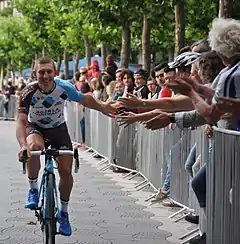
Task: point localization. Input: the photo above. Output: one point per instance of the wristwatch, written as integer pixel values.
(172, 118)
(144, 104)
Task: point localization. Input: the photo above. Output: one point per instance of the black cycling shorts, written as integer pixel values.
(57, 138)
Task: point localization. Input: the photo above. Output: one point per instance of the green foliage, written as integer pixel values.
(62, 24)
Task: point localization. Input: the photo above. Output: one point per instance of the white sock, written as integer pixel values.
(64, 206)
(33, 183)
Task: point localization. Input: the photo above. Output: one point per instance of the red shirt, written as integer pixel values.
(165, 93)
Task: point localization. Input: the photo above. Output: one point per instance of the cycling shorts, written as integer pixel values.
(57, 138)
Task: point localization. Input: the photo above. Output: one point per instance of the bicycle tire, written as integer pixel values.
(49, 228)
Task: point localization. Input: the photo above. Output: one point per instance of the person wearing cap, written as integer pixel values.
(140, 78)
(95, 70)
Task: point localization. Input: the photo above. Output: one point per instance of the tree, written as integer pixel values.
(225, 8)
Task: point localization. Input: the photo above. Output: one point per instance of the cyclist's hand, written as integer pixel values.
(21, 153)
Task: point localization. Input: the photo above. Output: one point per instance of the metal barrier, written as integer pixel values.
(156, 149)
(223, 175)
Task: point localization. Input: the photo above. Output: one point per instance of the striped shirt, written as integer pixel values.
(228, 85)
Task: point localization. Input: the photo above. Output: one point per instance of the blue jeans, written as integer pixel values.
(82, 126)
(199, 186)
(191, 160)
(166, 184)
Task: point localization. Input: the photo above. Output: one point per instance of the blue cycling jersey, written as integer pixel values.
(46, 109)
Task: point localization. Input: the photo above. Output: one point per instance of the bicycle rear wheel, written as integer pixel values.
(49, 227)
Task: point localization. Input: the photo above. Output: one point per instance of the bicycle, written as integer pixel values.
(48, 211)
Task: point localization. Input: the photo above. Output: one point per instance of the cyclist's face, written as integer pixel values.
(45, 73)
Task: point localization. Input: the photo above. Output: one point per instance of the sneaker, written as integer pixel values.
(161, 196)
(65, 227)
(32, 199)
(194, 219)
(170, 204)
(199, 240)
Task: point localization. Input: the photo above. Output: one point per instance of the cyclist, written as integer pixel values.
(40, 117)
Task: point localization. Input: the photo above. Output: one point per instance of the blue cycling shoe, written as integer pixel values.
(32, 199)
(64, 225)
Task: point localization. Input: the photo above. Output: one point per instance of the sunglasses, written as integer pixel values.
(83, 73)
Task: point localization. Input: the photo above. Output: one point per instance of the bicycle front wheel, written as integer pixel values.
(49, 228)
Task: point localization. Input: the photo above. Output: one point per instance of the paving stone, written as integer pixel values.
(104, 207)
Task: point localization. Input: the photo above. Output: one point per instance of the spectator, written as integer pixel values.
(119, 90)
(160, 70)
(110, 89)
(153, 89)
(95, 70)
(8, 91)
(128, 81)
(111, 66)
(140, 77)
(118, 74)
(97, 87)
(83, 74)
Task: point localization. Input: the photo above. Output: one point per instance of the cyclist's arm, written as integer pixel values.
(22, 121)
(74, 95)
(90, 102)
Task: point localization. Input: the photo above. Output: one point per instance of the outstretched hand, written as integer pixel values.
(126, 119)
(131, 101)
(160, 121)
(183, 84)
(110, 109)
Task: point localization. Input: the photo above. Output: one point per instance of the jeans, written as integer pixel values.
(82, 126)
(166, 184)
(199, 186)
(191, 160)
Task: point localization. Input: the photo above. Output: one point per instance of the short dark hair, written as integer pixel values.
(77, 76)
(85, 88)
(127, 72)
(161, 66)
(201, 46)
(167, 69)
(185, 49)
(106, 79)
(141, 72)
(44, 60)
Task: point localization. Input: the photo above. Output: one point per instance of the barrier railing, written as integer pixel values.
(148, 154)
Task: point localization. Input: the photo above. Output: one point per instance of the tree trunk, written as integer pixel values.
(225, 8)
(12, 73)
(34, 60)
(66, 68)
(44, 51)
(1, 75)
(126, 45)
(88, 51)
(59, 62)
(76, 62)
(104, 55)
(170, 54)
(179, 26)
(146, 43)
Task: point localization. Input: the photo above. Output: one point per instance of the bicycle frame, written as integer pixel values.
(48, 169)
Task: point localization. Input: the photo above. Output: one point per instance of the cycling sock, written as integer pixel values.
(33, 183)
(64, 206)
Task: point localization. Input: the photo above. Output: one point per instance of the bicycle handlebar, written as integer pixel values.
(53, 153)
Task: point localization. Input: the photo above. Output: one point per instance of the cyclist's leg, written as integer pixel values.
(35, 142)
(62, 141)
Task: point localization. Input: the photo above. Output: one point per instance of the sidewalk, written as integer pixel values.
(104, 208)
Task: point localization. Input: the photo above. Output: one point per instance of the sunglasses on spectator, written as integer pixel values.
(83, 73)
